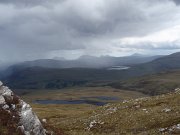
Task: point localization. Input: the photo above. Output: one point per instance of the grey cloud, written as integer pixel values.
(29, 3)
(175, 45)
(36, 28)
(177, 2)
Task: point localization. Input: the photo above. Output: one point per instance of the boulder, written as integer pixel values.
(2, 100)
(12, 106)
(1, 83)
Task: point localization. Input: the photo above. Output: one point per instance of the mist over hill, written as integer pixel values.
(166, 63)
(40, 74)
(84, 61)
(87, 61)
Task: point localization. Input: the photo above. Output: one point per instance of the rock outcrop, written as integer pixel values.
(16, 116)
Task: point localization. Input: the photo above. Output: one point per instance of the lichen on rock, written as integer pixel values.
(18, 113)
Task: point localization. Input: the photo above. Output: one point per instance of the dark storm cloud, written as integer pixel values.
(37, 28)
(177, 1)
(29, 2)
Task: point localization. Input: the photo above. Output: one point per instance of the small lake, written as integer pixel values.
(92, 102)
(118, 68)
(83, 100)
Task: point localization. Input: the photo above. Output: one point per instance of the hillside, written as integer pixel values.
(150, 115)
(56, 78)
(154, 84)
(147, 115)
(48, 78)
(86, 61)
(166, 63)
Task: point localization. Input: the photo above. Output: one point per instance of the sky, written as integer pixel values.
(36, 29)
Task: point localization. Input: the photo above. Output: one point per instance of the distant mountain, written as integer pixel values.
(138, 54)
(155, 65)
(33, 75)
(59, 58)
(166, 63)
(108, 61)
(86, 61)
(4, 65)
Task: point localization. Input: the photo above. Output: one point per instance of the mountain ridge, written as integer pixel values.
(38, 77)
(87, 61)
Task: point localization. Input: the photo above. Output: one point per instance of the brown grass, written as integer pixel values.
(129, 118)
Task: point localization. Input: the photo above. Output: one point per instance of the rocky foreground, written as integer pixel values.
(16, 116)
(158, 115)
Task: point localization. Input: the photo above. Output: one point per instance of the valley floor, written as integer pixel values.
(127, 116)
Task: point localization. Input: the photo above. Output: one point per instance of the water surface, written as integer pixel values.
(93, 100)
(118, 68)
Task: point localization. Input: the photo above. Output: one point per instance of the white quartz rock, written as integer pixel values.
(1, 83)
(30, 121)
(7, 94)
(2, 100)
(29, 124)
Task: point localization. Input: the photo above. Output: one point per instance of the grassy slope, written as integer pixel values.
(140, 116)
(135, 116)
(61, 113)
(43, 78)
(76, 93)
(153, 84)
(58, 114)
